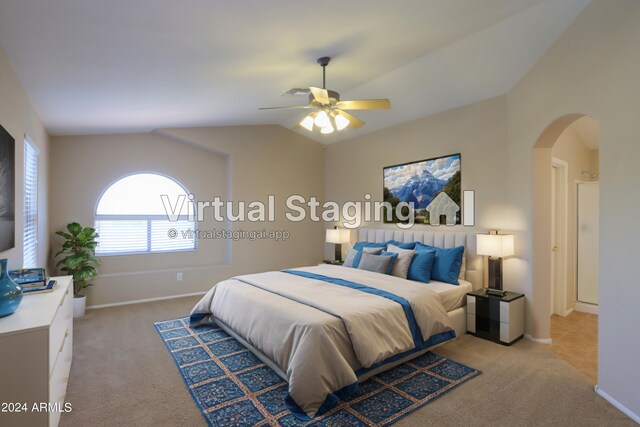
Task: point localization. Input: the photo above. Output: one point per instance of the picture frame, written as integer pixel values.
(7, 191)
(421, 183)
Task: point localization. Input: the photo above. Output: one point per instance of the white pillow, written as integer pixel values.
(401, 267)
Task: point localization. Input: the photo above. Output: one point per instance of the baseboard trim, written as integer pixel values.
(538, 340)
(568, 312)
(586, 308)
(141, 301)
(617, 404)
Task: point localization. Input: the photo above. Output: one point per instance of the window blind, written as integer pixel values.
(30, 232)
(126, 236)
(131, 218)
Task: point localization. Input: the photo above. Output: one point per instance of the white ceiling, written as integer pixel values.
(123, 66)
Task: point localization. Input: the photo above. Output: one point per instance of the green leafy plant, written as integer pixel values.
(79, 260)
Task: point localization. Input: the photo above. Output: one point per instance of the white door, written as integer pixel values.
(554, 260)
(588, 241)
(558, 237)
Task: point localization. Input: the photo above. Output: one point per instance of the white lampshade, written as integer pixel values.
(307, 123)
(495, 245)
(327, 129)
(338, 235)
(322, 119)
(341, 121)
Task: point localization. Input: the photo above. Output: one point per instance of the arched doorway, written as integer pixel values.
(565, 268)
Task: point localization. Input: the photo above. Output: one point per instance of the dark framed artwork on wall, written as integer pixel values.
(431, 185)
(7, 191)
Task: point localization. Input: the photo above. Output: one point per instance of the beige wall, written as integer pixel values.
(244, 163)
(592, 69)
(595, 163)
(477, 131)
(99, 160)
(19, 118)
(570, 149)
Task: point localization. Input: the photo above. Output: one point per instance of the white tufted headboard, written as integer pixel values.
(441, 239)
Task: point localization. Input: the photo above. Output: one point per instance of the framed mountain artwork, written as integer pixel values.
(431, 187)
(7, 191)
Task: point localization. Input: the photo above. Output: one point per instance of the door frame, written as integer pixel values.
(559, 267)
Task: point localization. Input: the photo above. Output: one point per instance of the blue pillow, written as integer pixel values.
(410, 245)
(421, 266)
(394, 258)
(359, 245)
(446, 267)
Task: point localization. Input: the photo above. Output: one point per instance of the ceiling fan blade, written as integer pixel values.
(354, 122)
(365, 104)
(296, 91)
(285, 108)
(321, 95)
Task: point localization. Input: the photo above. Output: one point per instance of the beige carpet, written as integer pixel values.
(122, 376)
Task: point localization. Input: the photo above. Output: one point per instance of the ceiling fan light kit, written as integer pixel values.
(330, 115)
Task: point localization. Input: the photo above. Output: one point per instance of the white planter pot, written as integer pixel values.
(79, 304)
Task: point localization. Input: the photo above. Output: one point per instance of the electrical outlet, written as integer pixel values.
(179, 277)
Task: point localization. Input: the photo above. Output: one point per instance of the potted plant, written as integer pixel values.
(79, 261)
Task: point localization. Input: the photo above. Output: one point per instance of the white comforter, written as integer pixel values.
(320, 333)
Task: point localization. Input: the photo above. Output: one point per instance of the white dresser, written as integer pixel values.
(35, 357)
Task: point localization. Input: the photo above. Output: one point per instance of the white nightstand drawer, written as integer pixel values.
(504, 311)
(471, 323)
(471, 304)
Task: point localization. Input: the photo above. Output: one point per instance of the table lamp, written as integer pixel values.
(338, 236)
(495, 246)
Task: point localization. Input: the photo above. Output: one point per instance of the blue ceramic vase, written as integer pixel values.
(10, 292)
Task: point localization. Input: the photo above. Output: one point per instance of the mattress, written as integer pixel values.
(451, 296)
(327, 325)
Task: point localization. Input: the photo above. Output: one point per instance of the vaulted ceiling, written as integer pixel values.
(126, 66)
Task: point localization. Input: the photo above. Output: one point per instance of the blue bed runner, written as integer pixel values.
(420, 344)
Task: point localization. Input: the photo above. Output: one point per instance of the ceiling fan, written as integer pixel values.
(330, 114)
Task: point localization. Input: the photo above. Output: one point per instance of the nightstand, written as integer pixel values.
(326, 261)
(496, 318)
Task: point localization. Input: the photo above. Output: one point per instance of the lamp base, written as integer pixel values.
(495, 273)
(338, 255)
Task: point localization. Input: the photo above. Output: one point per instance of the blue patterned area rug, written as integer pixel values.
(232, 387)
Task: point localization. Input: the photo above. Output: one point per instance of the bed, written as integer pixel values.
(333, 326)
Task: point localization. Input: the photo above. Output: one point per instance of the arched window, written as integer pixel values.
(131, 217)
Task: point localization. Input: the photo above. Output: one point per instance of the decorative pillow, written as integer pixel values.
(360, 245)
(375, 263)
(370, 250)
(447, 265)
(351, 256)
(401, 266)
(394, 258)
(421, 266)
(410, 245)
